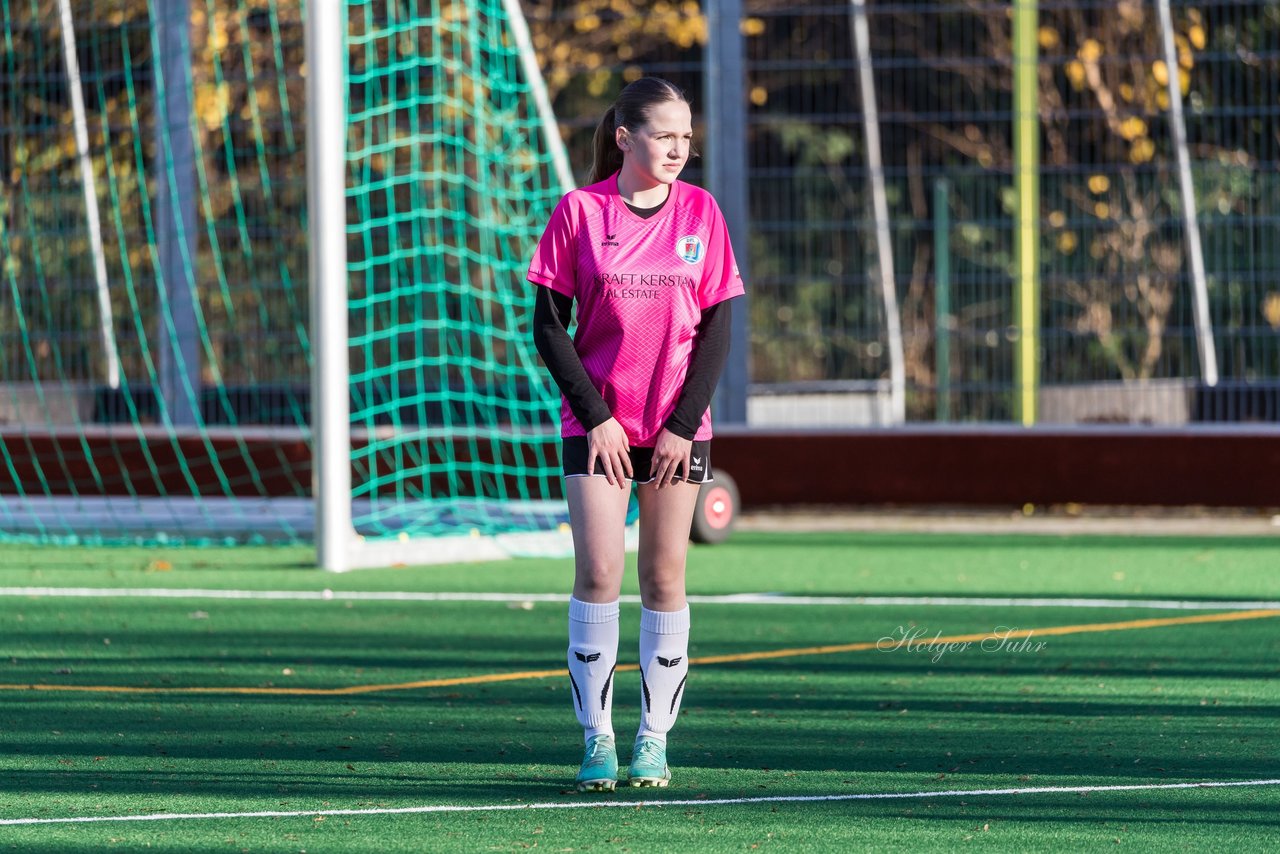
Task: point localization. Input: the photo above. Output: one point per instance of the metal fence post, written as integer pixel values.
(942, 295)
(176, 195)
(1026, 179)
(724, 90)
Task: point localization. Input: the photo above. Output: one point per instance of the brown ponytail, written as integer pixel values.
(631, 110)
(607, 157)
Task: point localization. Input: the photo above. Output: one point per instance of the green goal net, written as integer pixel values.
(451, 179)
(156, 305)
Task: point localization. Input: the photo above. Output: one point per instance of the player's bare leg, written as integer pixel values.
(598, 511)
(665, 516)
(598, 517)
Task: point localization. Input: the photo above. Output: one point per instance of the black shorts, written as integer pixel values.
(573, 455)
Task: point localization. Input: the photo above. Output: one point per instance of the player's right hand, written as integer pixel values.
(607, 442)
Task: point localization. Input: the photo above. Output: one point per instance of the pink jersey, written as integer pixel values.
(641, 285)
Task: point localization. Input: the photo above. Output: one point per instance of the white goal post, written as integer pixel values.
(339, 545)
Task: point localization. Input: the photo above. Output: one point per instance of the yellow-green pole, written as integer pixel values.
(1026, 144)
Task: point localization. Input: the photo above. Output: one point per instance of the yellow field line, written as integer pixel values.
(1012, 635)
(491, 678)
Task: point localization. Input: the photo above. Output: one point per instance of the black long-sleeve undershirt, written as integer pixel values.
(551, 313)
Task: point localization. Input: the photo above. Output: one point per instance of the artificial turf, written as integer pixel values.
(1194, 702)
(811, 563)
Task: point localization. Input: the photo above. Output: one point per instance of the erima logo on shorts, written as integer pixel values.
(697, 464)
(689, 248)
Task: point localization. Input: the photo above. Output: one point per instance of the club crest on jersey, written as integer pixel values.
(689, 249)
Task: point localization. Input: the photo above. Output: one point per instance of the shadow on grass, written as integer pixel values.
(473, 746)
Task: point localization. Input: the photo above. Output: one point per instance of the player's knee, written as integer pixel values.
(599, 580)
(658, 586)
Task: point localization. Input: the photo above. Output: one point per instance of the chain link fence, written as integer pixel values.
(1115, 335)
(1116, 340)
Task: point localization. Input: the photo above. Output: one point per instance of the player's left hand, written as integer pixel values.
(669, 454)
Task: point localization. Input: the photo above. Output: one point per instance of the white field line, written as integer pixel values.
(630, 804)
(729, 599)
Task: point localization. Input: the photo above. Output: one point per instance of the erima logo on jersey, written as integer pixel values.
(670, 662)
(697, 465)
(592, 657)
(610, 240)
(689, 249)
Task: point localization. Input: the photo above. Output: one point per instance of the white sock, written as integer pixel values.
(592, 656)
(664, 666)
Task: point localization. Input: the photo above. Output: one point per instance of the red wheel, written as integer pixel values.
(717, 510)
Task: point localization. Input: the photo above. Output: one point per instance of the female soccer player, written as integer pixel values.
(648, 260)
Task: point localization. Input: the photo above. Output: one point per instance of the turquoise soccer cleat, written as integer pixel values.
(599, 771)
(649, 763)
